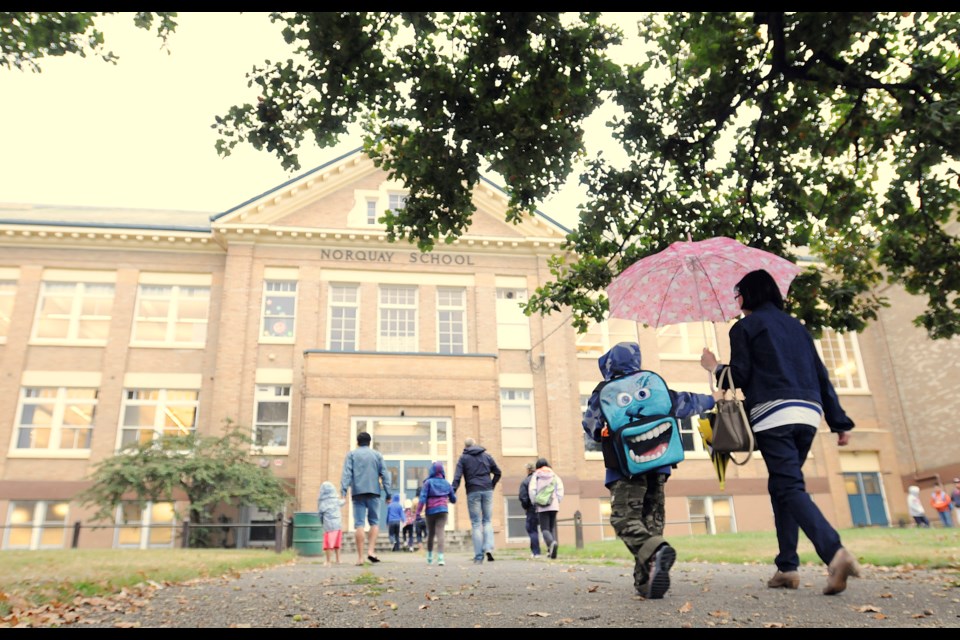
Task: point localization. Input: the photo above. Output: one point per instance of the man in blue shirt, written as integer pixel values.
(365, 475)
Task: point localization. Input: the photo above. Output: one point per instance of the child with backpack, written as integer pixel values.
(546, 492)
(633, 415)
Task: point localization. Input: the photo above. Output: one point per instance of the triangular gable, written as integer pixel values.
(335, 197)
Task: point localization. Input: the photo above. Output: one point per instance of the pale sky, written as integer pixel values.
(138, 134)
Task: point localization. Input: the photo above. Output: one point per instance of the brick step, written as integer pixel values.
(453, 541)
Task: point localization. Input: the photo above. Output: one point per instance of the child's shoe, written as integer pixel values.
(429, 558)
(440, 559)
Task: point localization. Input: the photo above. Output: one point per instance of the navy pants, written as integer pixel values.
(533, 530)
(784, 450)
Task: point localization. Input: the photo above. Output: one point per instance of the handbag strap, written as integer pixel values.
(746, 420)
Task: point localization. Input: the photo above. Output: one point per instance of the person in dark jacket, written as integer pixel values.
(395, 519)
(480, 475)
(787, 392)
(533, 518)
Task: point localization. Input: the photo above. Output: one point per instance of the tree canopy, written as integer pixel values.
(27, 36)
(211, 471)
(770, 127)
(833, 133)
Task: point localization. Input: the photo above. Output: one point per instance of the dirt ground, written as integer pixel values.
(403, 591)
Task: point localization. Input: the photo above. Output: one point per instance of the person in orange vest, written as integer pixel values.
(941, 502)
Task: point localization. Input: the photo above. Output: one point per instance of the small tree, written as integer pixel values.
(211, 471)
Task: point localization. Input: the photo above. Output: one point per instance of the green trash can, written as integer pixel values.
(307, 533)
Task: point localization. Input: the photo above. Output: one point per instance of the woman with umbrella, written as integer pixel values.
(786, 390)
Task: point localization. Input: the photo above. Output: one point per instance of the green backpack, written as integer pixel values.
(545, 495)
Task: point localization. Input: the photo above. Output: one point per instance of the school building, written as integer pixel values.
(292, 315)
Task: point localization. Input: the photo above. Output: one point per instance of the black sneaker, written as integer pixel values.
(489, 557)
(660, 563)
(553, 550)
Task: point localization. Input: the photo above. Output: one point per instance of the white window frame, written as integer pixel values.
(710, 523)
(338, 303)
(587, 454)
(163, 405)
(61, 403)
(513, 511)
(847, 375)
(690, 337)
(396, 201)
(8, 295)
(273, 394)
(175, 293)
(39, 524)
(372, 213)
(283, 290)
(516, 398)
(513, 326)
(395, 316)
(452, 331)
(144, 527)
(74, 317)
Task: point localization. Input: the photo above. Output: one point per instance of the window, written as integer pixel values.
(272, 416)
(344, 303)
(146, 528)
(371, 212)
(149, 414)
(451, 314)
(686, 341)
(8, 289)
(513, 326)
(171, 315)
(711, 514)
(841, 355)
(56, 418)
(396, 201)
(600, 336)
(36, 525)
(517, 423)
(690, 435)
(74, 311)
(279, 307)
(398, 318)
(591, 448)
(516, 519)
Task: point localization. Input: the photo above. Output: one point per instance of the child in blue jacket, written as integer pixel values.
(640, 529)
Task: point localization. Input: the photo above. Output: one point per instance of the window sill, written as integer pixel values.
(40, 342)
(168, 345)
(69, 454)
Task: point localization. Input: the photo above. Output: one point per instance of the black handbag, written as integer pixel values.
(731, 426)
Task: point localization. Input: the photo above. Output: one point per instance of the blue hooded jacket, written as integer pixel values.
(436, 492)
(328, 506)
(623, 359)
(395, 510)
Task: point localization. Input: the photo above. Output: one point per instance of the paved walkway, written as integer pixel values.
(519, 592)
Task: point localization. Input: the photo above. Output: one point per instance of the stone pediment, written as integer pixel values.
(348, 194)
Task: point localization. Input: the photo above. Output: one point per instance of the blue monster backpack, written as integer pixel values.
(642, 434)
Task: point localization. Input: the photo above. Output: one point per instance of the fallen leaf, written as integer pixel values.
(126, 625)
(879, 616)
(773, 625)
(431, 597)
(423, 606)
(686, 608)
(593, 588)
(720, 614)
(392, 605)
(886, 595)
(539, 613)
(869, 608)
(492, 613)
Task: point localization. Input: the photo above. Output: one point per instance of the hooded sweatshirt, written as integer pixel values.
(328, 506)
(477, 468)
(623, 359)
(541, 478)
(913, 501)
(436, 492)
(395, 510)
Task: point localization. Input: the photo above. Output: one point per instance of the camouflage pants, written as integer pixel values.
(637, 514)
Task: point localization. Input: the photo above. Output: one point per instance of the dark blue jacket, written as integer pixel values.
(477, 468)
(773, 358)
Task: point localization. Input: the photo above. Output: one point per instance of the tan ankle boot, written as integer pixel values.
(843, 566)
(784, 580)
